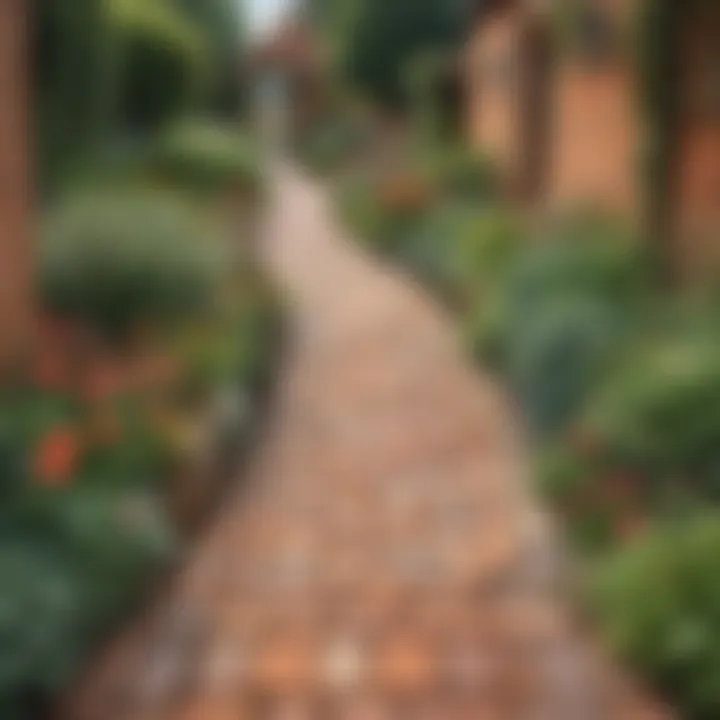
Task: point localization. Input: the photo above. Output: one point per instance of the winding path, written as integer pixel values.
(386, 560)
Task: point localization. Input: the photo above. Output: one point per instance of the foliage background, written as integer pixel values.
(112, 71)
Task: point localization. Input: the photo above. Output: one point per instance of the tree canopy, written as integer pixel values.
(111, 67)
(375, 40)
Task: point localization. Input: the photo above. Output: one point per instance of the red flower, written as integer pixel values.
(57, 457)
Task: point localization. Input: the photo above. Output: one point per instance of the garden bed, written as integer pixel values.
(203, 490)
(152, 370)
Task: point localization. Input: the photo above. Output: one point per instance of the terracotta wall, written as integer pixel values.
(595, 138)
(593, 134)
(595, 141)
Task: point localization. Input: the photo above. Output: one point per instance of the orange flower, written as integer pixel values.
(57, 458)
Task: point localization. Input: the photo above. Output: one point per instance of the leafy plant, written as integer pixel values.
(76, 541)
(645, 444)
(331, 143)
(114, 261)
(115, 538)
(384, 212)
(209, 158)
(41, 620)
(462, 174)
(658, 604)
(377, 40)
(485, 248)
(237, 347)
(658, 412)
(563, 308)
(563, 350)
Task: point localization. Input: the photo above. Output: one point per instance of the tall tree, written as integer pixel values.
(222, 23)
(375, 40)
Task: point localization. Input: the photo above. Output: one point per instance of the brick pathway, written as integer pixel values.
(385, 561)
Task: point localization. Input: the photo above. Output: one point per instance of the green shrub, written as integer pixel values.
(330, 144)
(595, 506)
(115, 538)
(116, 260)
(161, 59)
(582, 253)
(462, 174)
(660, 412)
(430, 250)
(486, 327)
(368, 206)
(41, 623)
(359, 208)
(558, 353)
(558, 314)
(646, 444)
(208, 158)
(69, 563)
(237, 347)
(464, 252)
(72, 556)
(658, 605)
(485, 248)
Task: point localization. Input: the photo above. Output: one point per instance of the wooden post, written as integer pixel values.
(535, 107)
(16, 256)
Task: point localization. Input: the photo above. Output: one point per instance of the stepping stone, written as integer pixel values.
(344, 665)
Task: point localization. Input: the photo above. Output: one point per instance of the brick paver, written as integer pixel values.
(385, 559)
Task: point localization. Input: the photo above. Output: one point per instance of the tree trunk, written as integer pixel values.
(16, 256)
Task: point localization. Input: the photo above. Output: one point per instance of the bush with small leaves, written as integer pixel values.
(117, 260)
(560, 312)
(462, 174)
(657, 603)
(209, 158)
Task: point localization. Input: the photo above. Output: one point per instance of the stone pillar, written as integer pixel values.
(16, 254)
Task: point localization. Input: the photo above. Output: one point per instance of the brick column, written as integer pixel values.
(16, 256)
